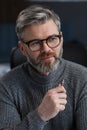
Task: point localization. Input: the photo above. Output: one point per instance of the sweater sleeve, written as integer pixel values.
(81, 110)
(10, 118)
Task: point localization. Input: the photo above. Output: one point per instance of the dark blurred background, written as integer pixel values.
(73, 16)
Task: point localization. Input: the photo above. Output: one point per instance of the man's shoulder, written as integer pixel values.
(75, 68)
(75, 65)
(13, 76)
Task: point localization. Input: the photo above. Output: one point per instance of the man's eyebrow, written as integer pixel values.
(37, 39)
(33, 40)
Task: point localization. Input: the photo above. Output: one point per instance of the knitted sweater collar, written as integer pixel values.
(42, 79)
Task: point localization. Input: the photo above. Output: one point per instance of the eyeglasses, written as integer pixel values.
(52, 41)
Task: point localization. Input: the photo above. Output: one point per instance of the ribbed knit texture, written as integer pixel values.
(22, 90)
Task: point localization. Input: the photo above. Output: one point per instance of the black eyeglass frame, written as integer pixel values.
(41, 41)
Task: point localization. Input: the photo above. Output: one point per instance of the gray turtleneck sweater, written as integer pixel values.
(22, 90)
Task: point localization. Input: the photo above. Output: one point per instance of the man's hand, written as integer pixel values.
(53, 102)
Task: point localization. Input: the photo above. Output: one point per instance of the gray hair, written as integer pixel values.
(35, 14)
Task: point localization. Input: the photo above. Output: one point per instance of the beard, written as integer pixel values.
(48, 66)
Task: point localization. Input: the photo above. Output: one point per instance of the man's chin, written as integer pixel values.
(48, 62)
(45, 67)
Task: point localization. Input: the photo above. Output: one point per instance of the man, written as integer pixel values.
(47, 92)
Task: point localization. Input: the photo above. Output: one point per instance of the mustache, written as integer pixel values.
(47, 54)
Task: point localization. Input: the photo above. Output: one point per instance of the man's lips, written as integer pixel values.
(46, 57)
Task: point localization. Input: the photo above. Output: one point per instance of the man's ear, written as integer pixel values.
(22, 48)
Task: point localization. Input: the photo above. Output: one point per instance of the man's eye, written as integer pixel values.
(35, 43)
(52, 38)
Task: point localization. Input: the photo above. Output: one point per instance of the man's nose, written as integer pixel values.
(45, 47)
